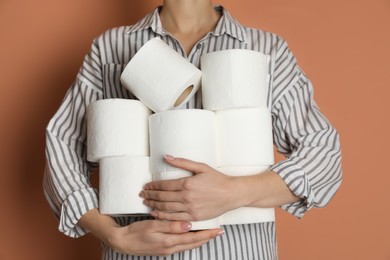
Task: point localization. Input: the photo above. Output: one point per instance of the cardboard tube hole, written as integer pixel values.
(184, 95)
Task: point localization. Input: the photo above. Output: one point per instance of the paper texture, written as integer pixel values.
(244, 137)
(117, 127)
(188, 133)
(160, 77)
(120, 181)
(205, 224)
(233, 79)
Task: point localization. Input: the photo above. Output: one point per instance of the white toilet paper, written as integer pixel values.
(246, 215)
(160, 77)
(117, 127)
(187, 133)
(243, 170)
(120, 181)
(205, 224)
(234, 78)
(244, 137)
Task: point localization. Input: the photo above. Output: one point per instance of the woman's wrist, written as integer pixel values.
(265, 190)
(102, 226)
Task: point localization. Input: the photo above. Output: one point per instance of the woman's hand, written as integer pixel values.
(207, 194)
(156, 237)
(148, 237)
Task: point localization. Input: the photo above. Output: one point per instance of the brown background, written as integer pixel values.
(343, 46)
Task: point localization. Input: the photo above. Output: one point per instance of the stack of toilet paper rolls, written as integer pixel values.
(234, 86)
(232, 133)
(118, 132)
(118, 139)
(164, 80)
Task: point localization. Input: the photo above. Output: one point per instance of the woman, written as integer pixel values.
(309, 177)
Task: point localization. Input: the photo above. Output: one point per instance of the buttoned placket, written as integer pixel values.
(193, 57)
(194, 54)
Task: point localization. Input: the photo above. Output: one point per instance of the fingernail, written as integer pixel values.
(140, 194)
(169, 157)
(186, 226)
(220, 233)
(154, 214)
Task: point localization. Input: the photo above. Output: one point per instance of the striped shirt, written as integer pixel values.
(312, 168)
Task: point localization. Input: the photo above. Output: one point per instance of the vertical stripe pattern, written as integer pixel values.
(312, 169)
(240, 242)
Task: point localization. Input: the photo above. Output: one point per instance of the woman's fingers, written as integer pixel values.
(161, 195)
(156, 237)
(175, 216)
(165, 206)
(172, 227)
(177, 184)
(199, 197)
(198, 236)
(167, 185)
(186, 164)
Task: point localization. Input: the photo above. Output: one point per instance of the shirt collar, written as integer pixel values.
(226, 24)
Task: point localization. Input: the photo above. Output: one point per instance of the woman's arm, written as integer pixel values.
(148, 237)
(309, 176)
(210, 193)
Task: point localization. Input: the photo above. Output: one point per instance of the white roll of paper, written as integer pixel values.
(120, 181)
(243, 170)
(160, 77)
(246, 215)
(244, 137)
(233, 79)
(187, 133)
(205, 224)
(117, 127)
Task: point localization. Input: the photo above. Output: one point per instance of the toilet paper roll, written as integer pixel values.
(246, 215)
(117, 127)
(244, 137)
(188, 133)
(243, 170)
(233, 79)
(160, 77)
(120, 181)
(205, 224)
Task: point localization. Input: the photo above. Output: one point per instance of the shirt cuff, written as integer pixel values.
(298, 182)
(76, 205)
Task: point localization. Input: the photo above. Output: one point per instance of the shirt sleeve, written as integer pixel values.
(66, 180)
(312, 168)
